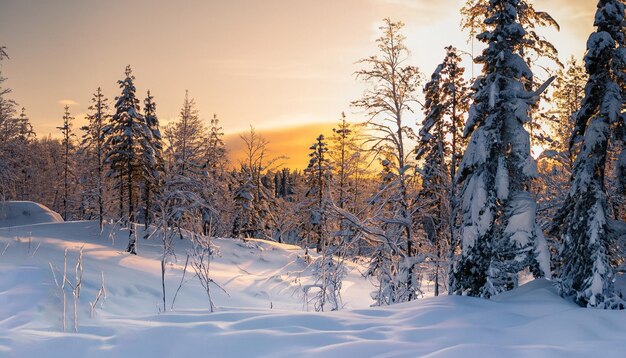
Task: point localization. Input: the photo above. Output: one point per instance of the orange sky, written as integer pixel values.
(269, 63)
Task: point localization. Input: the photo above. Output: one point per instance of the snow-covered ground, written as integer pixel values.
(262, 312)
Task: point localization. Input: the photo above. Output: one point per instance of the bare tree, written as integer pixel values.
(391, 94)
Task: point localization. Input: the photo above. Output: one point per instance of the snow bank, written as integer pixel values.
(19, 213)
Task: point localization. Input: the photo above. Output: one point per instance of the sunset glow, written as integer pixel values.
(270, 64)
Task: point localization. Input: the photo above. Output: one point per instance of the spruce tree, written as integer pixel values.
(500, 236)
(23, 157)
(440, 148)
(342, 151)
(125, 135)
(318, 175)
(584, 221)
(92, 145)
(152, 162)
(68, 147)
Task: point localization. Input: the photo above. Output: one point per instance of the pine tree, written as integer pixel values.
(500, 236)
(583, 221)
(125, 135)
(92, 145)
(68, 147)
(390, 97)
(441, 145)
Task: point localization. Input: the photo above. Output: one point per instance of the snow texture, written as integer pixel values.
(263, 315)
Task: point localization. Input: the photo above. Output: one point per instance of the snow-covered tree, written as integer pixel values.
(68, 148)
(186, 139)
(8, 133)
(92, 147)
(350, 172)
(152, 162)
(556, 162)
(584, 221)
(178, 202)
(125, 137)
(500, 236)
(329, 271)
(185, 155)
(343, 152)
(391, 94)
(318, 180)
(440, 148)
(535, 46)
(253, 214)
(46, 154)
(22, 158)
(216, 181)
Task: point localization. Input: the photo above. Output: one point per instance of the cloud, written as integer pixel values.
(68, 102)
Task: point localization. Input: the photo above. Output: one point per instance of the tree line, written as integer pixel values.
(461, 203)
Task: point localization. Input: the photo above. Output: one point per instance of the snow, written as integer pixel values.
(263, 314)
(502, 180)
(17, 213)
(477, 209)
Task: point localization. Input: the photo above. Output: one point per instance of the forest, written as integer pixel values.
(474, 184)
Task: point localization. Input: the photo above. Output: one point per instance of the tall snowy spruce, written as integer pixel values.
(584, 221)
(499, 233)
(440, 147)
(125, 137)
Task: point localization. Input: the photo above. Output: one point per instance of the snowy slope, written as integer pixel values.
(263, 313)
(16, 213)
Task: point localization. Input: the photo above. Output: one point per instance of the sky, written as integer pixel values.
(284, 66)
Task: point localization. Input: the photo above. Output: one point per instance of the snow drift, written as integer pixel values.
(18, 213)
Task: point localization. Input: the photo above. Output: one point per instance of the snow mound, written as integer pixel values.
(20, 213)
